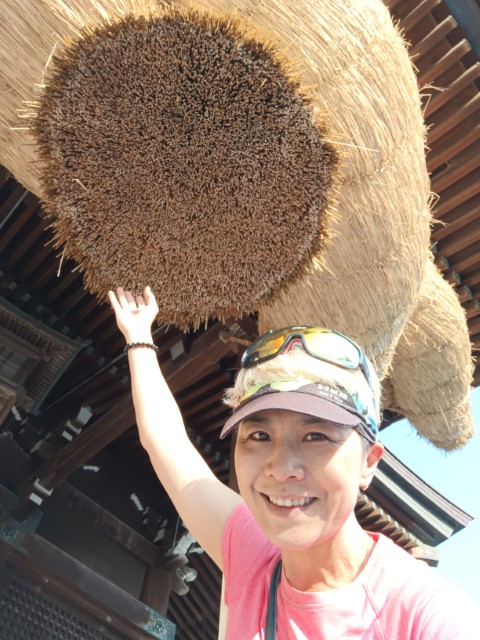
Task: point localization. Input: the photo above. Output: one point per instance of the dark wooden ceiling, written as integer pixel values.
(49, 289)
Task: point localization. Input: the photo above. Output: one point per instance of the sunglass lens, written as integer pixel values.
(264, 347)
(332, 347)
(321, 343)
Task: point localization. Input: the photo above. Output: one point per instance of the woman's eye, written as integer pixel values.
(259, 435)
(315, 436)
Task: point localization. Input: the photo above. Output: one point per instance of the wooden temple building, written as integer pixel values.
(90, 545)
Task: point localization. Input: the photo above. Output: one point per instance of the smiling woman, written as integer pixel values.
(296, 562)
(299, 476)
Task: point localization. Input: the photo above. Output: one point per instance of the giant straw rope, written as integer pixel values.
(341, 68)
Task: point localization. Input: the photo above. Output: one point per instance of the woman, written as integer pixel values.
(306, 411)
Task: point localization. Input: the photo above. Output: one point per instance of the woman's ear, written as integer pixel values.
(372, 458)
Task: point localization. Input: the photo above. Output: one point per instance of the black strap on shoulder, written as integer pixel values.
(271, 628)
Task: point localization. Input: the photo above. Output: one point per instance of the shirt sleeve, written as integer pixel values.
(246, 552)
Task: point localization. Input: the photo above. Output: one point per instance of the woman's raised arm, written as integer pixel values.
(202, 501)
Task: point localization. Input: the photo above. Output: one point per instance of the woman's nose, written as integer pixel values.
(284, 463)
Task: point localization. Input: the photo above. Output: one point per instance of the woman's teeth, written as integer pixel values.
(280, 502)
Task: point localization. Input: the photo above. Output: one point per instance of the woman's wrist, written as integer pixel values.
(148, 344)
(141, 336)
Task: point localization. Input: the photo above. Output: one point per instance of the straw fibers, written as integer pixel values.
(368, 282)
(432, 368)
(179, 149)
(28, 33)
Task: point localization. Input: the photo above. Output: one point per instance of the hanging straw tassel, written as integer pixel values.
(432, 367)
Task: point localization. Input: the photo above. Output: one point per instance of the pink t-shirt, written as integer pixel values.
(394, 598)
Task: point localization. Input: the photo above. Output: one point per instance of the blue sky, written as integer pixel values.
(455, 475)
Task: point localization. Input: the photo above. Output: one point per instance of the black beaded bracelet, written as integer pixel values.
(134, 345)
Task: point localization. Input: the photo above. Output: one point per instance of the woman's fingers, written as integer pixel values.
(130, 300)
(122, 298)
(113, 301)
(150, 299)
(148, 295)
(125, 300)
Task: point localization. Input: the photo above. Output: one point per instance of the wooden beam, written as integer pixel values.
(109, 525)
(468, 77)
(474, 326)
(9, 209)
(432, 38)
(468, 187)
(459, 116)
(450, 148)
(69, 580)
(472, 308)
(205, 352)
(455, 54)
(421, 8)
(458, 218)
(77, 452)
(459, 166)
(426, 553)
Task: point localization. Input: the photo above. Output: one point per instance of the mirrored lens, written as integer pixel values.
(320, 343)
(332, 347)
(265, 347)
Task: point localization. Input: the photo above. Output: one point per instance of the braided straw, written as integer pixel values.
(432, 368)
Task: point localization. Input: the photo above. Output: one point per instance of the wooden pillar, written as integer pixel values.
(156, 589)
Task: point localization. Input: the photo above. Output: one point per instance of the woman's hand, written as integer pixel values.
(134, 316)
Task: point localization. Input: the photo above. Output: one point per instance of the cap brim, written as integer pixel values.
(293, 401)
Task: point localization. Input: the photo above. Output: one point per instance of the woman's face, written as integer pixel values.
(300, 476)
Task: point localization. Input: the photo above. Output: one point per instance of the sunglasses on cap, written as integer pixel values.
(324, 344)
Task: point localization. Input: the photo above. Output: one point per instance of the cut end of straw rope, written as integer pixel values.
(180, 151)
